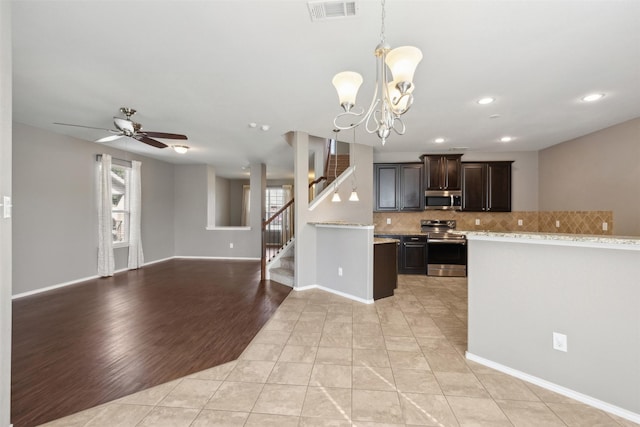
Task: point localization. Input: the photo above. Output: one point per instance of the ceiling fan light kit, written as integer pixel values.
(391, 98)
(129, 128)
(181, 149)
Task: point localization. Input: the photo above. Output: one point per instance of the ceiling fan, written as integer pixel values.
(127, 127)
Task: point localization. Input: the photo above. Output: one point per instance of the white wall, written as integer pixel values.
(192, 238)
(347, 249)
(55, 220)
(5, 224)
(524, 172)
(223, 208)
(599, 171)
(521, 291)
(306, 248)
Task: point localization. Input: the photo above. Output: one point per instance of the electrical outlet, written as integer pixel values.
(605, 226)
(557, 224)
(339, 271)
(559, 342)
(230, 245)
(477, 221)
(520, 222)
(388, 220)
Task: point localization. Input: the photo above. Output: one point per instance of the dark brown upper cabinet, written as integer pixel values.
(486, 186)
(442, 172)
(398, 187)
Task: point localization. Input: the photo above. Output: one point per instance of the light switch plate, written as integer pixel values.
(6, 207)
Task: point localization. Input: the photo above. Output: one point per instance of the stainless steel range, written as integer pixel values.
(446, 250)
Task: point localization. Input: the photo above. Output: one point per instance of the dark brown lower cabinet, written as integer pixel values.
(413, 255)
(385, 269)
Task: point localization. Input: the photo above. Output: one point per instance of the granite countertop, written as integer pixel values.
(340, 224)
(630, 242)
(381, 240)
(397, 233)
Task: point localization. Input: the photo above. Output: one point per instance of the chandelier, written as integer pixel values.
(391, 98)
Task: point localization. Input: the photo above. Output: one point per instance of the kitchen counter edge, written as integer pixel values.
(584, 240)
(340, 224)
(382, 240)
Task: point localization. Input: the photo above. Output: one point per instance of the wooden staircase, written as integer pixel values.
(278, 262)
(335, 166)
(277, 239)
(284, 272)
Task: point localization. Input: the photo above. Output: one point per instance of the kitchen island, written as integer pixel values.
(352, 263)
(344, 259)
(385, 267)
(531, 292)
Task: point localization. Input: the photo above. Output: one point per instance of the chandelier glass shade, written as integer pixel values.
(393, 95)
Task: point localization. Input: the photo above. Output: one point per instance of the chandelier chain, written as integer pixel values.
(382, 40)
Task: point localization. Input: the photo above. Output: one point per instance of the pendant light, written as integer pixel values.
(336, 196)
(354, 193)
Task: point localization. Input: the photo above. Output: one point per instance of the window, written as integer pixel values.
(274, 200)
(120, 204)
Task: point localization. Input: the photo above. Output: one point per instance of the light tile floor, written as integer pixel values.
(323, 360)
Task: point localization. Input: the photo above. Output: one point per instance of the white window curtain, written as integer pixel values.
(136, 257)
(246, 199)
(106, 263)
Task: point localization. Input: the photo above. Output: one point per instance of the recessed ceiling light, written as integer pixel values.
(593, 97)
(253, 125)
(506, 139)
(486, 100)
(438, 140)
(265, 127)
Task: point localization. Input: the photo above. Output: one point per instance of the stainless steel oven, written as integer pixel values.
(446, 250)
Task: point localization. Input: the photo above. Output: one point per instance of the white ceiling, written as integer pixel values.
(208, 68)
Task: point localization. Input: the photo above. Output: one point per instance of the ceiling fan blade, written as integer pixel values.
(110, 138)
(87, 127)
(150, 141)
(164, 135)
(124, 124)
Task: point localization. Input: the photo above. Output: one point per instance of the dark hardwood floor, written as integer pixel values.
(90, 343)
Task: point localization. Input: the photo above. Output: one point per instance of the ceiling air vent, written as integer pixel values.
(323, 10)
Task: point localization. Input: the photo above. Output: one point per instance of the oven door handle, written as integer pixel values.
(457, 242)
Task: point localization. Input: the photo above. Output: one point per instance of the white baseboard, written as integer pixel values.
(51, 288)
(588, 400)
(84, 279)
(333, 291)
(217, 258)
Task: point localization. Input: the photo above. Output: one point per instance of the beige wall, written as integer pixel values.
(5, 223)
(596, 172)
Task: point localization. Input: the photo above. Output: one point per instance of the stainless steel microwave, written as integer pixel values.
(443, 200)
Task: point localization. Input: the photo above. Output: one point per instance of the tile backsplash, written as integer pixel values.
(571, 222)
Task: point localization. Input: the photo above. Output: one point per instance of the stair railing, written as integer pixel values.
(314, 186)
(277, 232)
